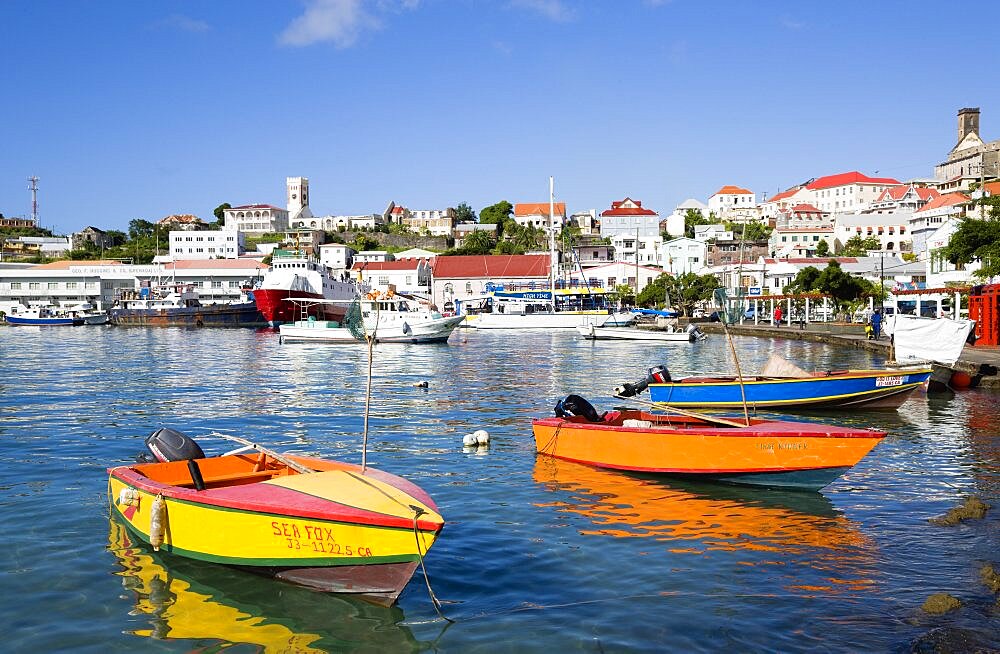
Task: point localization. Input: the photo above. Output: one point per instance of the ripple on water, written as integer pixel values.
(536, 554)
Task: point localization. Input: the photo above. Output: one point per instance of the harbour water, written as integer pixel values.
(537, 555)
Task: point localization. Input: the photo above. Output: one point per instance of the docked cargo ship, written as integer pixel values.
(181, 307)
(302, 278)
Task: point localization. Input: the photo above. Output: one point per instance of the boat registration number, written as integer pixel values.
(888, 381)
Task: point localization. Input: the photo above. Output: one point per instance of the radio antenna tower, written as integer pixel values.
(33, 180)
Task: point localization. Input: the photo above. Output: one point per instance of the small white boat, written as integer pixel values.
(389, 319)
(691, 334)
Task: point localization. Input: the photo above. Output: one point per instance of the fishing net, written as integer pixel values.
(354, 321)
(730, 313)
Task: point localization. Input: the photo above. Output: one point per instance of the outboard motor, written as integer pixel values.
(169, 445)
(574, 405)
(695, 332)
(656, 375)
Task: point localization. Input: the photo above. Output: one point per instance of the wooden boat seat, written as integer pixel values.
(234, 479)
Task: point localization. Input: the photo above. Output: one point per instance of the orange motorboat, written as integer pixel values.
(775, 453)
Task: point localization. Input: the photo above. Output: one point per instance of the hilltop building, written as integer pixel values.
(629, 217)
(972, 159)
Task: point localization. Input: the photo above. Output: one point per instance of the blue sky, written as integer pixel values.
(143, 109)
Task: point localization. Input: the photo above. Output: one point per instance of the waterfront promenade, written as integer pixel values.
(982, 364)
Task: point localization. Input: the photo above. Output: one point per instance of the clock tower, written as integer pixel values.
(297, 195)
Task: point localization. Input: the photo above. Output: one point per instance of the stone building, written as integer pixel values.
(90, 234)
(971, 159)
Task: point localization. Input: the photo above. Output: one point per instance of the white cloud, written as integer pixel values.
(791, 24)
(551, 9)
(184, 23)
(338, 21)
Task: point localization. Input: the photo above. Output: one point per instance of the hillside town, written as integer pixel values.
(888, 231)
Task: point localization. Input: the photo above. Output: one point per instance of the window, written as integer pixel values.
(15, 286)
(70, 286)
(53, 285)
(216, 283)
(383, 280)
(468, 287)
(34, 286)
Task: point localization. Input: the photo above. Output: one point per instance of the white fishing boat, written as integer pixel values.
(563, 305)
(691, 334)
(387, 318)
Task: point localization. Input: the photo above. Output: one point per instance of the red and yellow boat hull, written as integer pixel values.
(767, 452)
(334, 529)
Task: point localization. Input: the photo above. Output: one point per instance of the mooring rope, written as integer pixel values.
(417, 512)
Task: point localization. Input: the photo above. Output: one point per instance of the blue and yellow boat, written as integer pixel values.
(870, 389)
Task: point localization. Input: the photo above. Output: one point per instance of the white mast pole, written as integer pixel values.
(554, 258)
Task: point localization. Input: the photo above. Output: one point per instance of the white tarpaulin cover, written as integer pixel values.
(928, 339)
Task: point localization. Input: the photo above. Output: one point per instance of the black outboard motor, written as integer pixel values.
(574, 405)
(656, 375)
(169, 445)
(695, 333)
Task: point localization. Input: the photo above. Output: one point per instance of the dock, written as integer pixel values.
(982, 364)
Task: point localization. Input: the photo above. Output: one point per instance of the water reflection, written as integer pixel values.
(698, 517)
(191, 600)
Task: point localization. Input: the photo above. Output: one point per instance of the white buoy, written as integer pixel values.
(469, 439)
(422, 384)
(482, 436)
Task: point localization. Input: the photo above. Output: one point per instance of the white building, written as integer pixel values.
(735, 204)
(783, 201)
(617, 273)
(297, 201)
(847, 192)
(645, 250)
(940, 271)
(411, 276)
(929, 218)
(800, 241)
(628, 217)
(215, 244)
(683, 255)
(67, 283)
(336, 255)
(905, 197)
(537, 214)
(257, 218)
(587, 222)
(713, 231)
(436, 222)
(367, 256)
(891, 229)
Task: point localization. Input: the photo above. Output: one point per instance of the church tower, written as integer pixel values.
(968, 121)
(297, 196)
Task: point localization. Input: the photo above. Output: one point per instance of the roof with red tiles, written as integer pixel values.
(619, 209)
(803, 229)
(732, 190)
(993, 188)
(897, 193)
(805, 208)
(946, 200)
(784, 194)
(492, 266)
(842, 179)
(538, 209)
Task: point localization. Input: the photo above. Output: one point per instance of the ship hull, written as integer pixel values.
(276, 307)
(244, 314)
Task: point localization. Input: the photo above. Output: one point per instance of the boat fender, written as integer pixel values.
(482, 436)
(469, 440)
(157, 522)
(195, 472)
(170, 445)
(574, 405)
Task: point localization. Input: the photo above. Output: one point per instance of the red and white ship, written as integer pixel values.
(298, 278)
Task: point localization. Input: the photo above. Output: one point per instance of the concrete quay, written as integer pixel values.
(982, 364)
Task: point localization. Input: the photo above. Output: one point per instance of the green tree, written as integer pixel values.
(804, 282)
(843, 287)
(477, 242)
(507, 247)
(495, 214)
(116, 237)
(362, 243)
(465, 214)
(978, 239)
(822, 249)
(139, 228)
(694, 217)
(859, 247)
(749, 231)
(220, 213)
(684, 291)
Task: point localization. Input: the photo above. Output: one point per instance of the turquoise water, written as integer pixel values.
(537, 555)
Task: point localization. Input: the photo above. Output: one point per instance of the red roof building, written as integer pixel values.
(628, 217)
(847, 192)
(459, 278)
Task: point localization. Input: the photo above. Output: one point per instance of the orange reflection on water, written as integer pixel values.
(700, 517)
